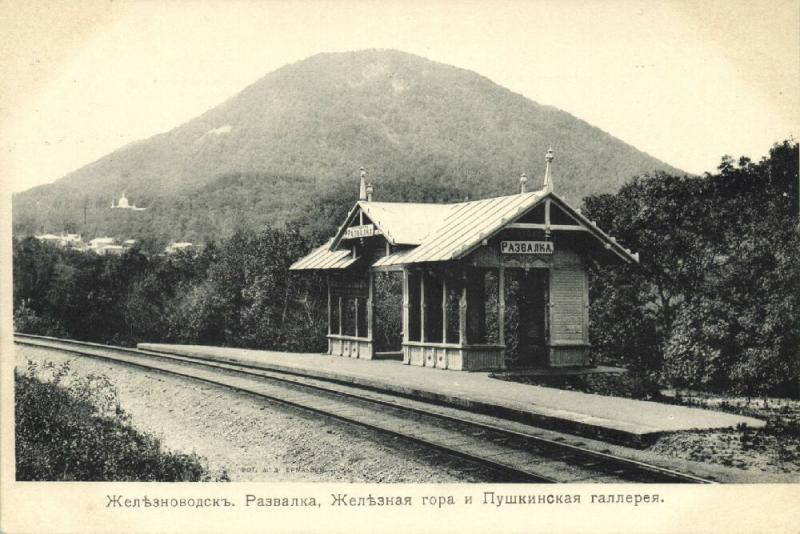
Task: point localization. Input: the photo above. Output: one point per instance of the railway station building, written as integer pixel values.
(485, 283)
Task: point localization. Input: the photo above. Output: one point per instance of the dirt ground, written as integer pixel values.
(773, 449)
(250, 439)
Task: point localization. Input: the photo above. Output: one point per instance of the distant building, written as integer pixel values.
(123, 204)
(99, 244)
(73, 239)
(64, 240)
(172, 248)
(49, 238)
(111, 249)
(101, 241)
(128, 243)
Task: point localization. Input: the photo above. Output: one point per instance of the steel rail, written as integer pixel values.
(603, 464)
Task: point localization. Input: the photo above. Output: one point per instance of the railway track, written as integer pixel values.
(514, 450)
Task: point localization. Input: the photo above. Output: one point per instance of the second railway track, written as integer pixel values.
(509, 448)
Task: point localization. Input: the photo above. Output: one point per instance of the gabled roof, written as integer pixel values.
(445, 232)
(467, 224)
(405, 223)
(400, 223)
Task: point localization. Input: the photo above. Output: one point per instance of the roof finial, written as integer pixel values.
(369, 192)
(362, 190)
(523, 179)
(547, 184)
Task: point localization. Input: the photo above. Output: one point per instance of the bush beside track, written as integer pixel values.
(72, 428)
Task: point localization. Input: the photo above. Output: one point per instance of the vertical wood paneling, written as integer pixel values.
(567, 305)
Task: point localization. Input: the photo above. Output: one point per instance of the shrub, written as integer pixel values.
(77, 431)
(717, 347)
(27, 321)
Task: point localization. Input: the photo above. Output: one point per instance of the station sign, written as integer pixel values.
(526, 247)
(365, 230)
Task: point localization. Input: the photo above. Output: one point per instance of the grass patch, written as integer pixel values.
(72, 427)
(773, 449)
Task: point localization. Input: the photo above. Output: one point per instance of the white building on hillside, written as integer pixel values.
(111, 249)
(49, 238)
(172, 248)
(72, 239)
(99, 244)
(64, 240)
(123, 204)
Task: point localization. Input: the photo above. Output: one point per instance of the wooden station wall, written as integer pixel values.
(568, 288)
(427, 340)
(444, 318)
(350, 315)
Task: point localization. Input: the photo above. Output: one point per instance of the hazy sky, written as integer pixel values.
(684, 81)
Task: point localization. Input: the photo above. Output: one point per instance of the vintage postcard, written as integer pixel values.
(450, 266)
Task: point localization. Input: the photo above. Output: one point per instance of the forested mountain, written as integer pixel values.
(300, 133)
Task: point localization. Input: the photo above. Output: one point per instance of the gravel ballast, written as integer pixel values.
(252, 439)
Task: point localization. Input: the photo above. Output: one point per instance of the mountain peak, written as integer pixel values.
(412, 121)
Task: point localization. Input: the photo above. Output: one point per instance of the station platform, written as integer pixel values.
(615, 419)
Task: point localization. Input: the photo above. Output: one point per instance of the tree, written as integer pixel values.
(716, 293)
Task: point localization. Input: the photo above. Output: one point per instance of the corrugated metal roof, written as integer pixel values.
(467, 224)
(444, 232)
(395, 258)
(405, 223)
(323, 258)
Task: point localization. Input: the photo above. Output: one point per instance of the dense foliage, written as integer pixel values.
(715, 302)
(239, 293)
(70, 428)
(713, 305)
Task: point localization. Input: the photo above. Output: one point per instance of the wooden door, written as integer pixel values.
(533, 318)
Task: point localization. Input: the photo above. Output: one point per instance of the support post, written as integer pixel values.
(462, 315)
(422, 305)
(548, 307)
(444, 309)
(501, 304)
(340, 315)
(330, 315)
(330, 312)
(355, 315)
(370, 303)
(405, 306)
